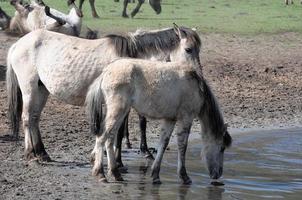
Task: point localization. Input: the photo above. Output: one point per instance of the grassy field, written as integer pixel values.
(208, 16)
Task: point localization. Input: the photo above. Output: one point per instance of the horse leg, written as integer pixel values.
(125, 9)
(143, 145)
(34, 100)
(97, 157)
(93, 10)
(126, 133)
(166, 131)
(81, 4)
(182, 142)
(118, 147)
(138, 6)
(59, 20)
(115, 114)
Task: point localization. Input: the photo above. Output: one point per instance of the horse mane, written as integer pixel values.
(124, 45)
(211, 109)
(150, 42)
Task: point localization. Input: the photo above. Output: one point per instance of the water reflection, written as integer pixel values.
(264, 165)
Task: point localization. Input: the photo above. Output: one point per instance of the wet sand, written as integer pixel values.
(262, 164)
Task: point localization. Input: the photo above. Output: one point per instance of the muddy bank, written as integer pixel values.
(257, 81)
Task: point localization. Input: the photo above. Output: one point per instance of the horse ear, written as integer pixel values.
(178, 31)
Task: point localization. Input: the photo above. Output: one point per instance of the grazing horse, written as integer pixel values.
(36, 15)
(155, 4)
(168, 91)
(43, 62)
(287, 2)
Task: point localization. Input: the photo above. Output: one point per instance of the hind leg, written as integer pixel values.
(115, 114)
(166, 131)
(143, 144)
(93, 10)
(34, 100)
(136, 9)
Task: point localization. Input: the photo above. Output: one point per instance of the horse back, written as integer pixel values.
(155, 89)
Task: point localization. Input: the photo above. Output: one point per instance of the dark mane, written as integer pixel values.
(216, 121)
(159, 41)
(150, 42)
(124, 45)
(211, 108)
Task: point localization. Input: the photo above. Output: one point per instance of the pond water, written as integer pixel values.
(260, 165)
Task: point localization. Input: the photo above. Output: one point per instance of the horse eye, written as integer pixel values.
(189, 50)
(222, 149)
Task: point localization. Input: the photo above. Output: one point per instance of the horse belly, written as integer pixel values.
(158, 103)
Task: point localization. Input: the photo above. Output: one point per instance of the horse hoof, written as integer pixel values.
(45, 158)
(149, 157)
(187, 181)
(120, 178)
(102, 179)
(125, 15)
(94, 15)
(156, 181)
(123, 169)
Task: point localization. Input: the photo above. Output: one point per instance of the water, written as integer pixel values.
(260, 165)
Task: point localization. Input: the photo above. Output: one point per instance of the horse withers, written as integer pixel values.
(171, 92)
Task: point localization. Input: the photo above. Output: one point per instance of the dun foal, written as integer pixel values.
(171, 92)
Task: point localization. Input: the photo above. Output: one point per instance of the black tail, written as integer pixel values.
(94, 100)
(14, 97)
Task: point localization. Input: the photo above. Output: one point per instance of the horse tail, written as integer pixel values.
(93, 103)
(14, 97)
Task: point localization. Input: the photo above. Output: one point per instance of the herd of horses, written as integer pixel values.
(157, 73)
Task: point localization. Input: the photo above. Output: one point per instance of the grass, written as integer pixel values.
(208, 16)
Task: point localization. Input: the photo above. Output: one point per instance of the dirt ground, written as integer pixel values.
(257, 81)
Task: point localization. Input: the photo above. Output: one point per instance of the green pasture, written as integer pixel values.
(208, 16)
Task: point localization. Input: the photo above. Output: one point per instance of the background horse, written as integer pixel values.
(29, 17)
(287, 2)
(172, 92)
(155, 4)
(43, 63)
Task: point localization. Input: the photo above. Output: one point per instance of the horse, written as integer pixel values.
(43, 62)
(37, 15)
(148, 38)
(155, 5)
(173, 92)
(287, 2)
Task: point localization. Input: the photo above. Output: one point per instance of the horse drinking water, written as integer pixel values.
(171, 92)
(44, 62)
